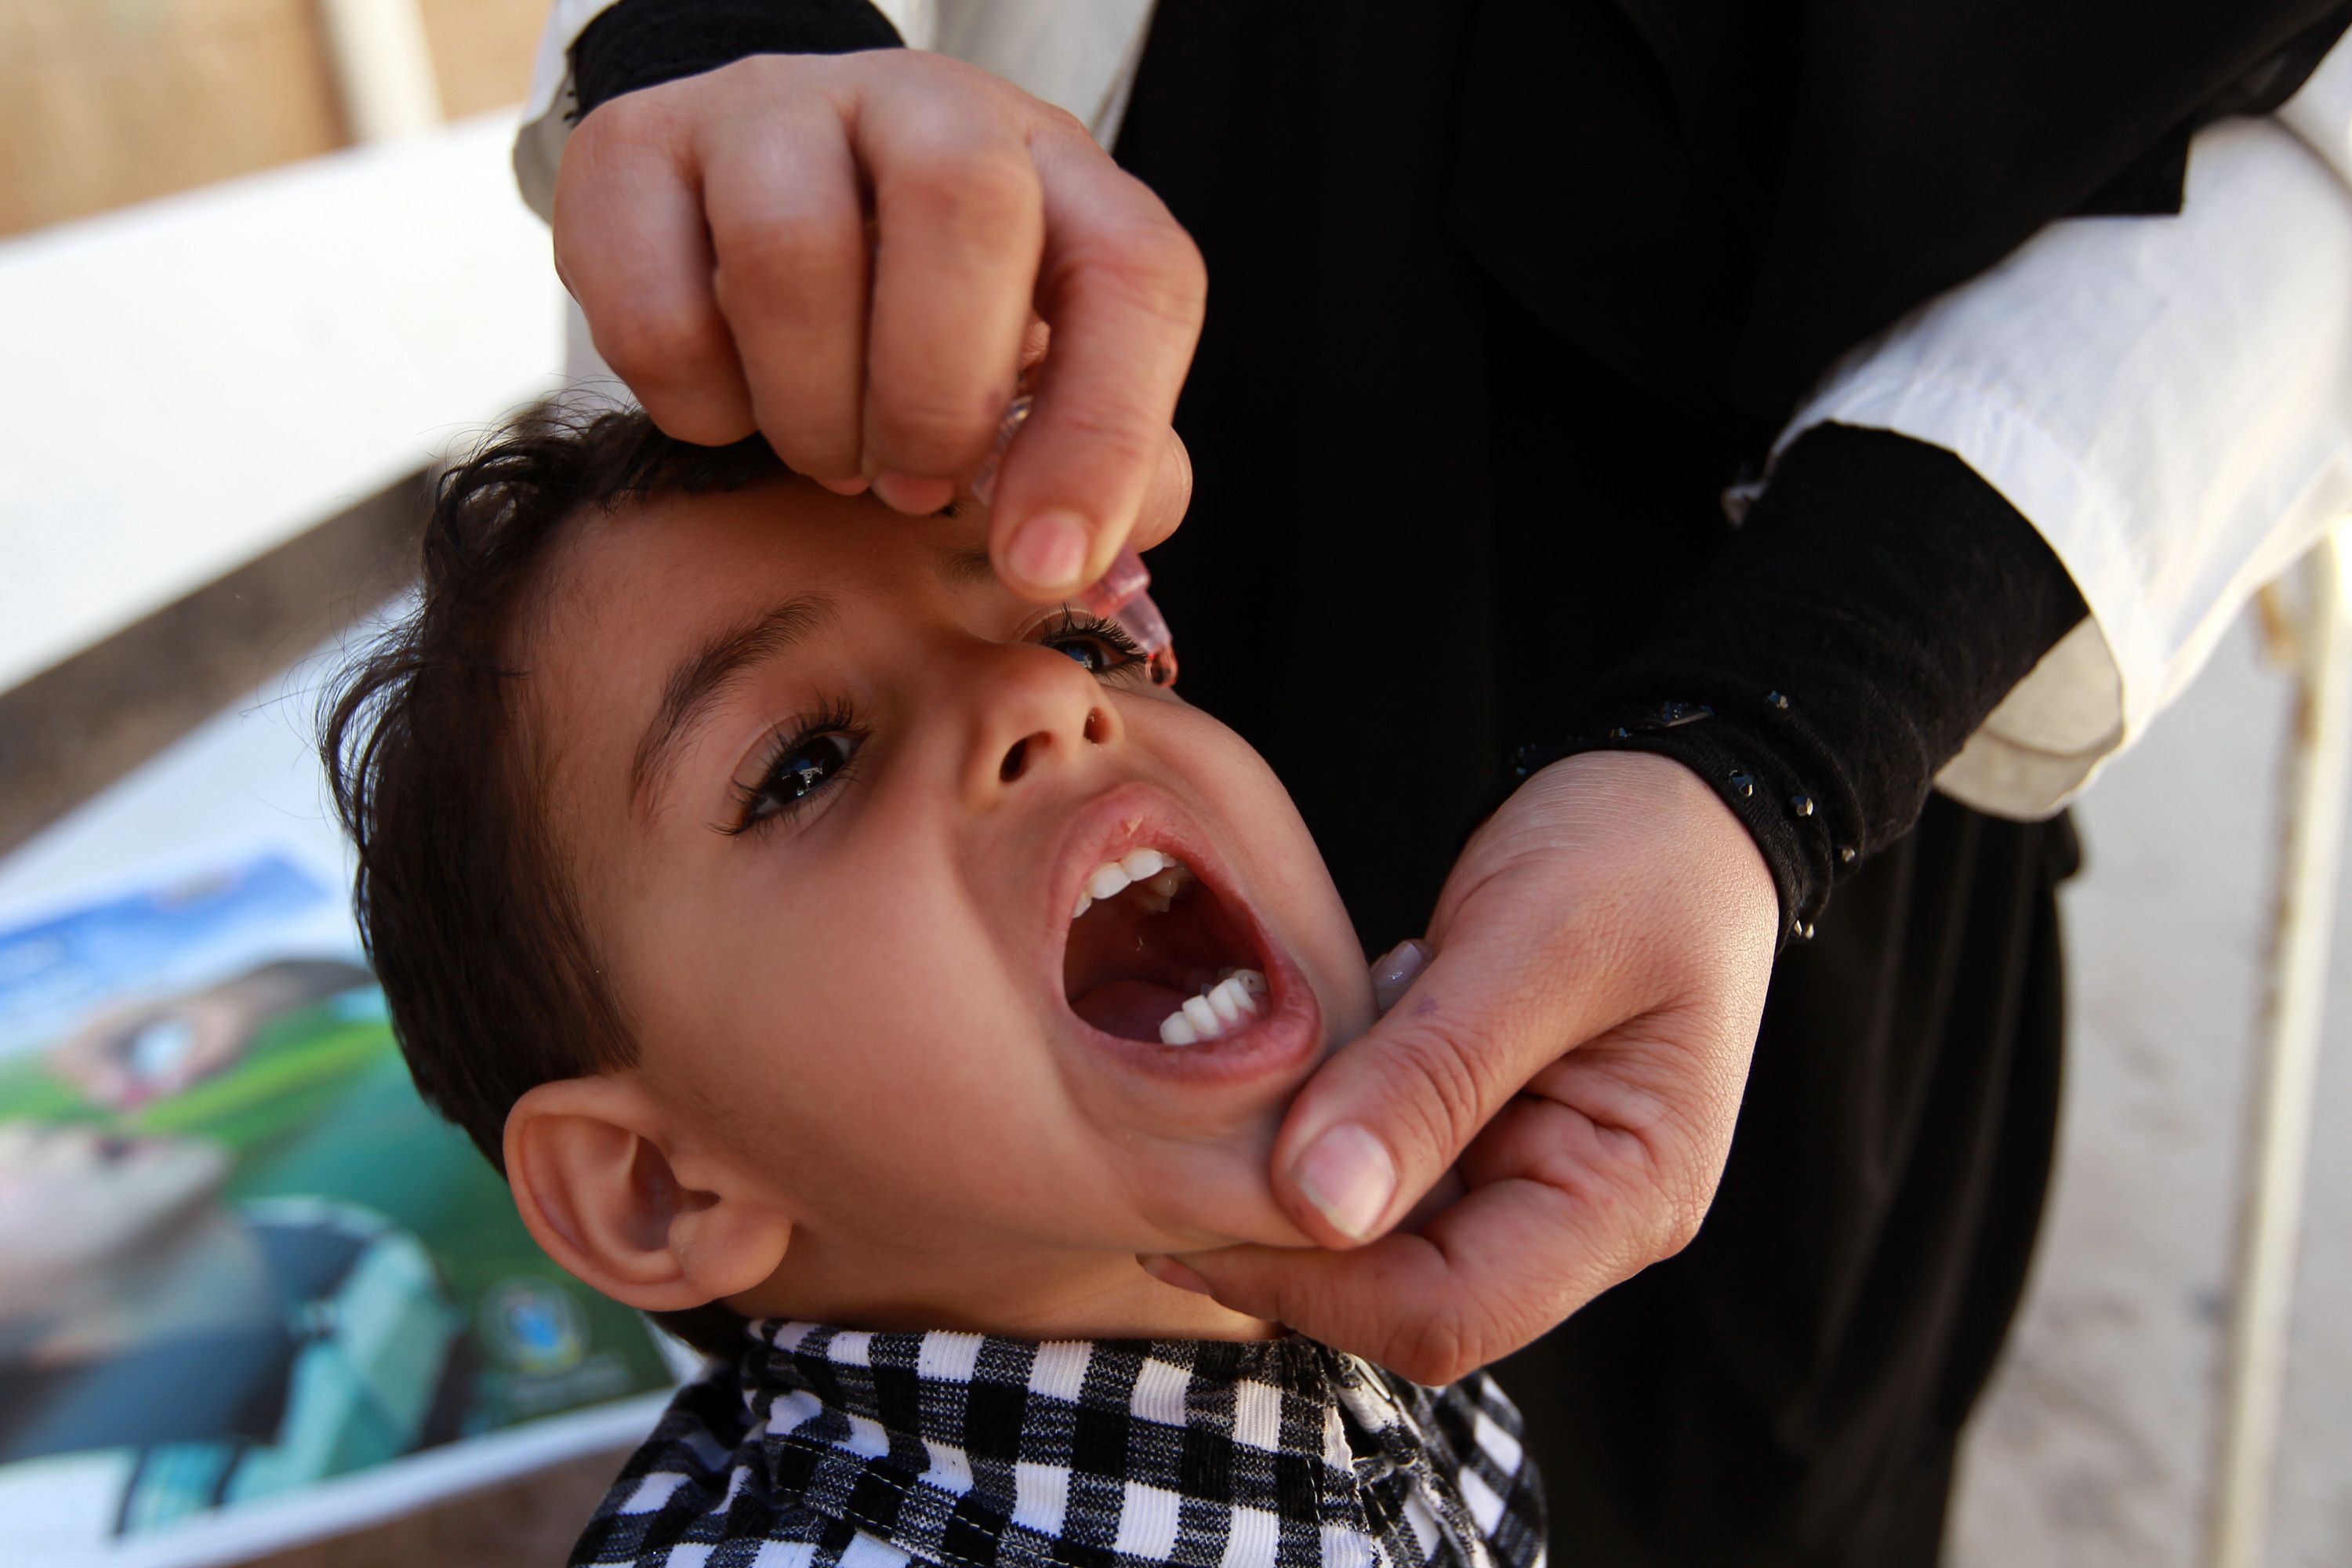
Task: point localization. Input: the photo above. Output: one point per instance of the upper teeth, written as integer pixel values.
(1162, 875)
(1232, 1000)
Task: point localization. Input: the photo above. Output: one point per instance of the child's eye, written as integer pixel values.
(1100, 646)
(1091, 655)
(800, 766)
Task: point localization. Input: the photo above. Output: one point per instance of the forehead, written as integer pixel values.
(649, 564)
(631, 594)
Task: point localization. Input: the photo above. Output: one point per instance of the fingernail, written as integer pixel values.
(1167, 1271)
(1349, 1177)
(904, 492)
(1049, 551)
(1394, 970)
(856, 487)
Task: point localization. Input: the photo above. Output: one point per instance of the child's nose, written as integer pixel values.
(1039, 710)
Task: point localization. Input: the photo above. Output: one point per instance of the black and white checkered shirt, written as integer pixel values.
(830, 1448)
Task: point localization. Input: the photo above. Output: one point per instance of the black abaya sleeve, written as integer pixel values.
(643, 43)
(1877, 603)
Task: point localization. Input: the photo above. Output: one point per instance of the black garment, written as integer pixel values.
(1758, 184)
(1874, 606)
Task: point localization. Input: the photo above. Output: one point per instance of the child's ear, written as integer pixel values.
(598, 1191)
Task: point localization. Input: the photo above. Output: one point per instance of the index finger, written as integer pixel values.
(1123, 287)
(1488, 1276)
(1170, 493)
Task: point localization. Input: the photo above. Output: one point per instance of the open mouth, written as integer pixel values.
(1154, 954)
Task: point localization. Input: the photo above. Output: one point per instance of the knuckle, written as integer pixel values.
(783, 256)
(1686, 1170)
(925, 429)
(762, 74)
(1681, 1229)
(1188, 270)
(1432, 1352)
(1659, 1213)
(1438, 1085)
(1150, 266)
(963, 193)
(1176, 460)
(1685, 1211)
(934, 74)
(656, 116)
(808, 447)
(652, 342)
(612, 120)
(1113, 433)
(1052, 120)
(585, 145)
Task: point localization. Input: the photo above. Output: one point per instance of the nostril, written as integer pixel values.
(1093, 730)
(1015, 760)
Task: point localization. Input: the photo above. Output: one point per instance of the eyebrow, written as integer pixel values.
(964, 567)
(701, 678)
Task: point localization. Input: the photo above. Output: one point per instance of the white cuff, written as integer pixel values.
(547, 114)
(2167, 400)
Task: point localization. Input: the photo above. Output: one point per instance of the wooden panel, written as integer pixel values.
(102, 105)
(482, 51)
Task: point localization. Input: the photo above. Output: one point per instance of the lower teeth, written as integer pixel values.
(1232, 1002)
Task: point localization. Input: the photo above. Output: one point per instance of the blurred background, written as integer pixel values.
(110, 102)
(262, 266)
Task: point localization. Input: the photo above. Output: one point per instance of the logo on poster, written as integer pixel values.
(534, 1325)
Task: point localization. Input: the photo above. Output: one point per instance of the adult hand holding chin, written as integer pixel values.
(1573, 1053)
(845, 252)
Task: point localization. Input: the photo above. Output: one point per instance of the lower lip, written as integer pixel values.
(1279, 1043)
(1284, 1039)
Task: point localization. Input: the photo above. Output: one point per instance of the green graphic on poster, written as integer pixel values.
(238, 1256)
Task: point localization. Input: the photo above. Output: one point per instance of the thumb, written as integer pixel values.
(1387, 1115)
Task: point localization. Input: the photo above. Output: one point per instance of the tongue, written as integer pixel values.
(1131, 1009)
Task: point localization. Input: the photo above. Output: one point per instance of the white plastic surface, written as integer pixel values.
(187, 384)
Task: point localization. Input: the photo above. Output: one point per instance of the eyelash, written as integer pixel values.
(834, 716)
(1110, 634)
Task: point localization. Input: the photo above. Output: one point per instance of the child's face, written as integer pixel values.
(74, 1202)
(831, 795)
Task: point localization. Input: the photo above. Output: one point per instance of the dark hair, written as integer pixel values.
(463, 899)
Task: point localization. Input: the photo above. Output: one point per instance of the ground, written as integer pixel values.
(2096, 1446)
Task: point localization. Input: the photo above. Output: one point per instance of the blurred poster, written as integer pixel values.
(242, 1266)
